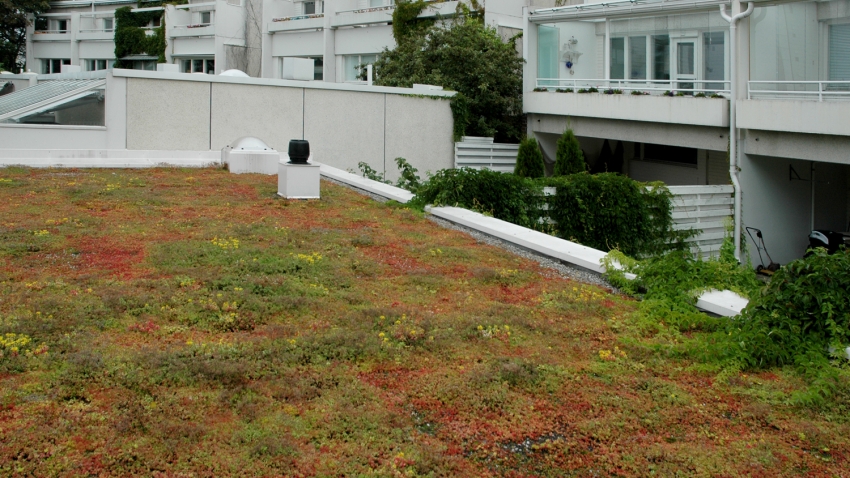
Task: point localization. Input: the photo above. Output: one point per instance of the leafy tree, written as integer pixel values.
(13, 26)
(529, 159)
(464, 56)
(569, 159)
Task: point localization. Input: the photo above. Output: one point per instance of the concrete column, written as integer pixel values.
(169, 27)
(30, 56)
(529, 53)
(329, 34)
(75, 45)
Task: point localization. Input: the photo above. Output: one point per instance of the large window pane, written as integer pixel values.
(637, 58)
(661, 57)
(685, 58)
(618, 58)
(839, 54)
(714, 58)
(547, 53)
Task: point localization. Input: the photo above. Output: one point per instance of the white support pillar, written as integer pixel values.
(529, 52)
(329, 52)
(75, 44)
(607, 66)
(30, 53)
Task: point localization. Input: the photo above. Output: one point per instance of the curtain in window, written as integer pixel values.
(547, 53)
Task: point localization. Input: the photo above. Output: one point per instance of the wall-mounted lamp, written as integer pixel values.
(570, 54)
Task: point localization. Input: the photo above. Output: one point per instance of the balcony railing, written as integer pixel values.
(51, 32)
(367, 10)
(299, 17)
(799, 90)
(656, 87)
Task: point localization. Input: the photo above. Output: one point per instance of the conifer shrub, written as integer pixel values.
(529, 160)
(569, 159)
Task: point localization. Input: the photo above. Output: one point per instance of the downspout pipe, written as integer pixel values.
(733, 120)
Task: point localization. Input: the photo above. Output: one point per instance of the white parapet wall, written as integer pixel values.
(162, 111)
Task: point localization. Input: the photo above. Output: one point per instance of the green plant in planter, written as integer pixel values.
(564, 90)
(612, 91)
(569, 159)
(699, 95)
(529, 160)
(540, 88)
(715, 95)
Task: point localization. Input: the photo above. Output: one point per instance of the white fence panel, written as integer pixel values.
(482, 153)
(704, 208)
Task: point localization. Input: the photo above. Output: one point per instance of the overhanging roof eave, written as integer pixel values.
(621, 9)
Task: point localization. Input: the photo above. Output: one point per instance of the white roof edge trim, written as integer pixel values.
(50, 101)
(318, 85)
(619, 8)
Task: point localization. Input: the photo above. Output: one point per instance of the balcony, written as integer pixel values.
(95, 34)
(297, 22)
(196, 30)
(384, 14)
(51, 35)
(588, 98)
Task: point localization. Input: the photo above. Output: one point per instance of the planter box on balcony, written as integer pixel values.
(654, 109)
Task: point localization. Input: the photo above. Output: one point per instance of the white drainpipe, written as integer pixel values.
(733, 127)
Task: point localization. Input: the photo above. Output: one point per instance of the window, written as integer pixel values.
(197, 65)
(714, 58)
(108, 24)
(839, 54)
(660, 57)
(318, 67)
(355, 66)
(670, 154)
(309, 8)
(206, 18)
(618, 59)
(637, 58)
(62, 26)
(547, 53)
(95, 65)
(50, 66)
(376, 3)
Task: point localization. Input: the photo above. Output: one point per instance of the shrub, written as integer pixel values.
(505, 196)
(610, 211)
(529, 160)
(804, 311)
(569, 159)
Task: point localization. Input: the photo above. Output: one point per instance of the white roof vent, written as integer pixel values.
(250, 143)
(237, 73)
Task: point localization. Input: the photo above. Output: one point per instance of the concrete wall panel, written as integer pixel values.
(298, 44)
(51, 50)
(795, 116)
(163, 114)
(419, 130)
(270, 113)
(344, 129)
(192, 46)
(101, 50)
(52, 137)
(354, 41)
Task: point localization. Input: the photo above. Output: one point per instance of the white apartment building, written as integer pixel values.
(658, 58)
(211, 36)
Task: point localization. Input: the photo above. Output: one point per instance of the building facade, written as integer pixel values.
(647, 87)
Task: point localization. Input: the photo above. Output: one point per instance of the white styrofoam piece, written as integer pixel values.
(374, 187)
(722, 302)
(298, 69)
(298, 181)
(262, 162)
(577, 254)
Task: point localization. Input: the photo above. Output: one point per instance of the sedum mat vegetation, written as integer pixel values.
(173, 322)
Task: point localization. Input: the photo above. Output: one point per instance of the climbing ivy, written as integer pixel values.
(406, 22)
(132, 39)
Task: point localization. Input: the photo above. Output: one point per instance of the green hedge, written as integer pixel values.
(504, 196)
(610, 211)
(604, 211)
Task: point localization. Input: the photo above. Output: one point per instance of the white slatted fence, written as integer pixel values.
(482, 153)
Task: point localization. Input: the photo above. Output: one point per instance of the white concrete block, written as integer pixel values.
(298, 181)
(724, 303)
(297, 69)
(168, 67)
(251, 161)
